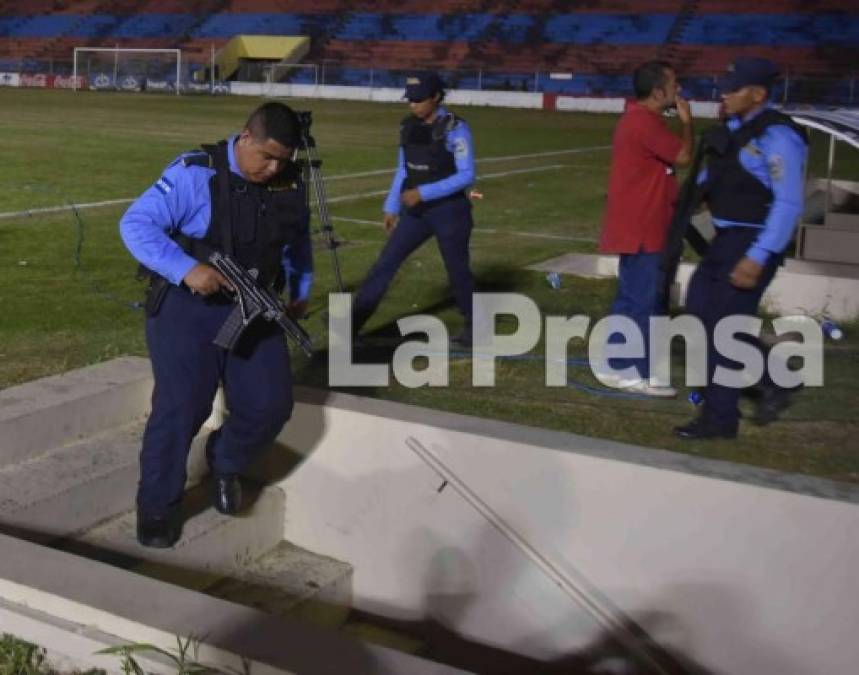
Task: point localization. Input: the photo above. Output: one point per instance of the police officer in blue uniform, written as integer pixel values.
(242, 196)
(427, 198)
(753, 185)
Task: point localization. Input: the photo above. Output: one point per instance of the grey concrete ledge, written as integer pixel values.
(59, 584)
(568, 442)
(54, 411)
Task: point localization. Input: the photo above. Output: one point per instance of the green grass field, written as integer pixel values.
(542, 173)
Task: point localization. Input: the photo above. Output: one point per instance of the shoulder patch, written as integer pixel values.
(775, 164)
(164, 185)
(460, 148)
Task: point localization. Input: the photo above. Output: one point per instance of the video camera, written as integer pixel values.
(305, 121)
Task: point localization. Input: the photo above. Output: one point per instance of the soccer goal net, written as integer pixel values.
(121, 69)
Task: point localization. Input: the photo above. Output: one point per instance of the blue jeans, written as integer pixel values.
(639, 282)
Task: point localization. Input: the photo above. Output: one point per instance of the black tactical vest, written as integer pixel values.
(426, 156)
(251, 222)
(732, 192)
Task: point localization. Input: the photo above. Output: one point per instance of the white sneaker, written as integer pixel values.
(648, 388)
(608, 379)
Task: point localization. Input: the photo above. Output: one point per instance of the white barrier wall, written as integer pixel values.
(502, 99)
(731, 566)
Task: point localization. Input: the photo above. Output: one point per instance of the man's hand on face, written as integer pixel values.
(206, 280)
(746, 273)
(684, 111)
(411, 197)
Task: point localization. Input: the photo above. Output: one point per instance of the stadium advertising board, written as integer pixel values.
(69, 82)
(158, 85)
(38, 80)
(101, 81)
(41, 80)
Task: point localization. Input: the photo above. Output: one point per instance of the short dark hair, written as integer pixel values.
(276, 121)
(649, 76)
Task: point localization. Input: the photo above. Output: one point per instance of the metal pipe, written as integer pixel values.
(579, 590)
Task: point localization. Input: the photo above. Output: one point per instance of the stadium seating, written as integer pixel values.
(594, 41)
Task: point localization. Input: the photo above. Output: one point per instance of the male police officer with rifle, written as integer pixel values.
(242, 201)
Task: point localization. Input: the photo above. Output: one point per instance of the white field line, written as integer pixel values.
(114, 202)
(485, 160)
(379, 193)
(64, 207)
(480, 230)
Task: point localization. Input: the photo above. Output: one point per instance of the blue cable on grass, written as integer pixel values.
(580, 363)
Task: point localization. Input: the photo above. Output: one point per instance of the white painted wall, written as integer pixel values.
(793, 292)
(741, 578)
(502, 99)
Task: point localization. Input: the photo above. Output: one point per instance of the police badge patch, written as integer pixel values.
(776, 167)
(460, 148)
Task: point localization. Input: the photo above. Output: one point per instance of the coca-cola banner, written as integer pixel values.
(40, 80)
(69, 82)
(44, 81)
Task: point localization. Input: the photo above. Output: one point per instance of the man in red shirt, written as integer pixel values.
(642, 190)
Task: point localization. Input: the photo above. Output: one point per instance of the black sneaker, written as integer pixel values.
(702, 429)
(158, 531)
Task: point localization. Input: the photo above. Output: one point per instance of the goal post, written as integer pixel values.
(122, 68)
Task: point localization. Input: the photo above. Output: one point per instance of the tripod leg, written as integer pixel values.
(315, 180)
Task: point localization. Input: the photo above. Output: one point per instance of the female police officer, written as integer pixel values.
(427, 198)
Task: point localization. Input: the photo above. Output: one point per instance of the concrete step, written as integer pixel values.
(52, 412)
(71, 488)
(242, 559)
(291, 581)
(212, 545)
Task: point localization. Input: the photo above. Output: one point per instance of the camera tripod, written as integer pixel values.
(311, 168)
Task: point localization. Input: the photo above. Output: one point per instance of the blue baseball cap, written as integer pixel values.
(422, 86)
(749, 71)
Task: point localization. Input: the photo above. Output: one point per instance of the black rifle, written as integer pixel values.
(253, 301)
(691, 196)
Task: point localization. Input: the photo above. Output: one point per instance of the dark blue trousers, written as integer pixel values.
(639, 282)
(451, 224)
(711, 297)
(187, 369)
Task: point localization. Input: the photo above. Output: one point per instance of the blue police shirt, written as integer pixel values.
(180, 201)
(777, 159)
(458, 141)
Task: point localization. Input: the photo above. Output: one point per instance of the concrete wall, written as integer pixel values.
(740, 569)
(502, 99)
(799, 288)
(539, 542)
